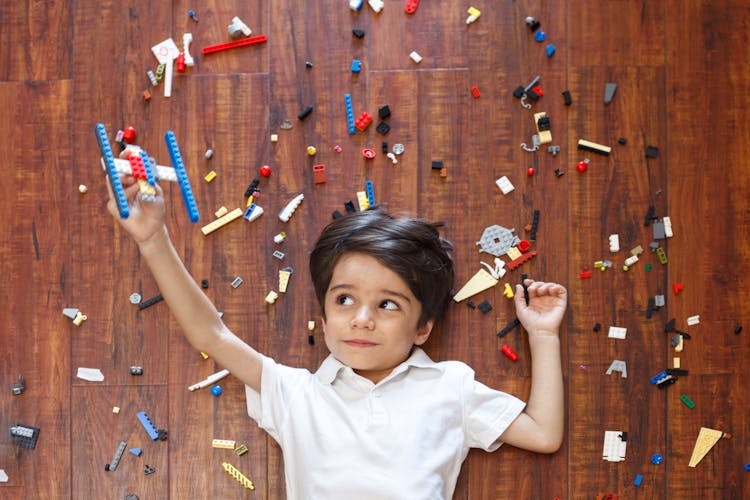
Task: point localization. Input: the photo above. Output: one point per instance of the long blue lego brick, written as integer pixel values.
(349, 113)
(149, 168)
(111, 171)
(370, 190)
(182, 178)
(148, 426)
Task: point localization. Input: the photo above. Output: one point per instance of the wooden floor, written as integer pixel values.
(681, 72)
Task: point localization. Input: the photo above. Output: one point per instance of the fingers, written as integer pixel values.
(541, 289)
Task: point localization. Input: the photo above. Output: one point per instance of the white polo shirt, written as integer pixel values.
(344, 437)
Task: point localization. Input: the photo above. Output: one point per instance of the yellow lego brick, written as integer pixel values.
(364, 203)
(513, 253)
(221, 212)
(311, 325)
(241, 450)
(480, 282)
(239, 476)
(707, 438)
(508, 291)
(210, 176)
(271, 297)
(222, 221)
(284, 280)
(545, 136)
(227, 444)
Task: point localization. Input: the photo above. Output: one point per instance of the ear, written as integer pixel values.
(423, 333)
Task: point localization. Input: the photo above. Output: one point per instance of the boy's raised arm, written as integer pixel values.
(194, 312)
(540, 427)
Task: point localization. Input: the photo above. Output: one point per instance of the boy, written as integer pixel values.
(379, 419)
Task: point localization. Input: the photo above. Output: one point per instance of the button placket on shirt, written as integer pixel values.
(378, 413)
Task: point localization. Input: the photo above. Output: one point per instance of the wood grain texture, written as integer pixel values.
(681, 74)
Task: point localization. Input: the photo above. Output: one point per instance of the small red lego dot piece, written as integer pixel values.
(128, 135)
(583, 165)
(524, 246)
(181, 63)
(509, 352)
(585, 273)
(475, 91)
(411, 6)
(538, 90)
(677, 288)
(530, 172)
(265, 171)
(368, 153)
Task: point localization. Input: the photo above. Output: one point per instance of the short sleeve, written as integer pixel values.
(487, 413)
(278, 387)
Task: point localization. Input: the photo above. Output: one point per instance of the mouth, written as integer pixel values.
(359, 343)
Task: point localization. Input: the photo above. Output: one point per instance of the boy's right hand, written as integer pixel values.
(146, 217)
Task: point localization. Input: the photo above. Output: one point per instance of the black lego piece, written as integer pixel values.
(384, 112)
(305, 113)
(509, 328)
(519, 92)
(484, 306)
(311, 339)
(670, 326)
(384, 147)
(534, 225)
(597, 327)
(204, 283)
(148, 303)
(349, 206)
(622, 141)
(336, 214)
(253, 187)
(358, 33)
(652, 151)
(471, 304)
(650, 216)
(567, 97)
(650, 307)
(383, 128)
(437, 165)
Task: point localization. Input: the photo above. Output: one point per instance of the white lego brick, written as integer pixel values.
(618, 366)
(504, 184)
(614, 446)
(617, 332)
(693, 320)
(614, 243)
(415, 57)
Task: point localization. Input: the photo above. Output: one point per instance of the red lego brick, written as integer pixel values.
(136, 166)
(319, 174)
(364, 121)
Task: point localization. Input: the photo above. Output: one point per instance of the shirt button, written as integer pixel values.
(376, 394)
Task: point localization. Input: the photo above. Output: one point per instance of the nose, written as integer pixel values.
(363, 318)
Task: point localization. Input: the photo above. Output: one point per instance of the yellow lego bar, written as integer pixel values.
(239, 476)
(222, 221)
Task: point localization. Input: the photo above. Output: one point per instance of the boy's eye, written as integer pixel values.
(344, 300)
(389, 305)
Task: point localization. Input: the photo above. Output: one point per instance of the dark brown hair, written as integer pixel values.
(412, 248)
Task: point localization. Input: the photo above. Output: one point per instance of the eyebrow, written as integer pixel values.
(346, 286)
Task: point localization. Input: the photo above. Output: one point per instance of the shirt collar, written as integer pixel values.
(331, 367)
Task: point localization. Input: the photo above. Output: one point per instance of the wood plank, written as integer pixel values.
(36, 282)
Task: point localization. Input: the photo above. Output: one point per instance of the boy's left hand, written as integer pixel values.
(547, 304)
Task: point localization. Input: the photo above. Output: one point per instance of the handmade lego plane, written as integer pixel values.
(146, 172)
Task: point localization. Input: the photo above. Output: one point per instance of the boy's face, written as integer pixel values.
(371, 316)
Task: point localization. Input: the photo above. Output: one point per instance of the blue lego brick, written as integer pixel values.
(149, 168)
(111, 171)
(638, 480)
(370, 193)
(148, 426)
(356, 66)
(182, 178)
(349, 113)
(659, 376)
